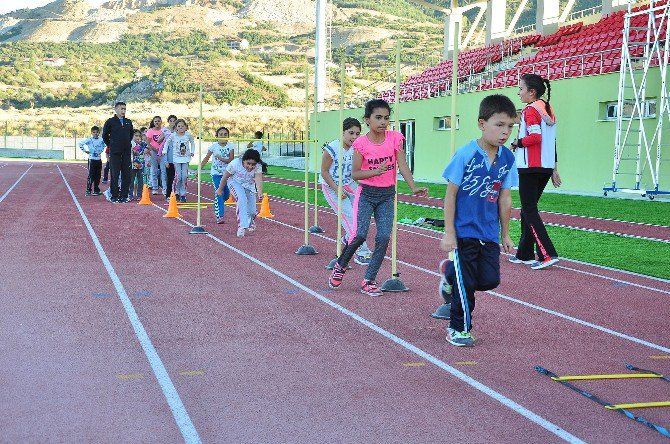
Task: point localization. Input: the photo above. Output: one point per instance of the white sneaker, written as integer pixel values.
(240, 232)
(516, 260)
(460, 338)
(537, 265)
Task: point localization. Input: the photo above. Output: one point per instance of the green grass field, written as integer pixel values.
(640, 256)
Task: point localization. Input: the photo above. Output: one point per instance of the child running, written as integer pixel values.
(377, 157)
(222, 153)
(246, 186)
(477, 208)
(93, 146)
(181, 147)
(329, 183)
(137, 176)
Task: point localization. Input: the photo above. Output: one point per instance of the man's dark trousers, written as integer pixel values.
(120, 163)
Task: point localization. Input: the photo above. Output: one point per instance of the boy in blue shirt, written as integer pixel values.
(93, 146)
(477, 208)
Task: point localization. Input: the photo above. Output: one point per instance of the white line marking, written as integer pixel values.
(179, 413)
(15, 183)
(603, 267)
(437, 199)
(325, 210)
(518, 301)
(549, 224)
(507, 402)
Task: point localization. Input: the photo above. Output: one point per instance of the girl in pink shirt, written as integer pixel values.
(377, 157)
(157, 136)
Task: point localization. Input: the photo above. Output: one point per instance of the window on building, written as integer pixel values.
(612, 110)
(444, 123)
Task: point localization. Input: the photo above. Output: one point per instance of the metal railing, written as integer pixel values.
(68, 145)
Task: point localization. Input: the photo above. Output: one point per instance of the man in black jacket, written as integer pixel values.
(117, 135)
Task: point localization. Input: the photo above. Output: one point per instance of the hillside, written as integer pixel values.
(67, 54)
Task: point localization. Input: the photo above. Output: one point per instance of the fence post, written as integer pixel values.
(37, 144)
(23, 136)
(75, 147)
(6, 134)
(52, 143)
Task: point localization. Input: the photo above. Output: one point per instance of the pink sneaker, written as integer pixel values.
(370, 288)
(336, 276)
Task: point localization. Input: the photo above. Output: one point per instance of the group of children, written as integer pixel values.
(161, 156)
(477, 204)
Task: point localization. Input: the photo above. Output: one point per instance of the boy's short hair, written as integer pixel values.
(95, 128)
(137, 132)
(119, 104)
(258, 134)
(494, 104)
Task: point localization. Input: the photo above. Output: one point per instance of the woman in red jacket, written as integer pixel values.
(536, 160)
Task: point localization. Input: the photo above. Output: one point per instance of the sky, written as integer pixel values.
(8, 6)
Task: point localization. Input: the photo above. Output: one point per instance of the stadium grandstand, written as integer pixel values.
(607, 70)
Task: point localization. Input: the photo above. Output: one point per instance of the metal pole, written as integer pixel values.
(198, 229)
(338, 248)
(316, 228)
(394, 284)
(339, 163)
(306, 248)
(454, 75)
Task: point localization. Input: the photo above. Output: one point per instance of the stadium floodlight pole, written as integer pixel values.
(306, 248)
(394, 284)
(454, 75)
(198, 229)
(338, 248)
(316, 228)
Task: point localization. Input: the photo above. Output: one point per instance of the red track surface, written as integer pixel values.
(614, 226)
(256, 359)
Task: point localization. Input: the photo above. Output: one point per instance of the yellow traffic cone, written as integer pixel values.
(146, 199)
(265, 207)
(230, 200)
(173, 211)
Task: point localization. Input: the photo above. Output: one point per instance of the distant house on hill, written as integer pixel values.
(238, 44)
(350, 70)
(58, 61)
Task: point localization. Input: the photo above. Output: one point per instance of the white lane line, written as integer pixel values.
(575, 261)
(549, 224)
(507, 402)
(524, 303)
(15, 183)
(439, 200)
(328, 212)
(518, 301)
(179, 413)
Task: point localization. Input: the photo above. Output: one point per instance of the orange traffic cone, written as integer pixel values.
(230, 200)
(146, 200)
(265, 207)
(173, 211)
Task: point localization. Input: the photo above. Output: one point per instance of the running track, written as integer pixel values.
(257, 349)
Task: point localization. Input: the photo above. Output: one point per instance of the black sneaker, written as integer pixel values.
(96, 193)
(88, 192)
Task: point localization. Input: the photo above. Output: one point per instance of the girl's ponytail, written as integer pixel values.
(549, 110)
